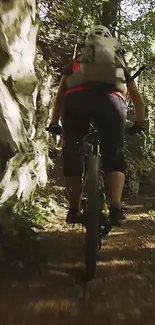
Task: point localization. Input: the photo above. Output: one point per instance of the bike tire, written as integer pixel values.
(93, 206)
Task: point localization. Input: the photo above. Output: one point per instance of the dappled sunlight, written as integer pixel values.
(65, 265)
(136, 216)
(50, 289)
(121, 232)
(137, 209)
(149, 242)
(135, 206)
(56, 305)
(116, 262)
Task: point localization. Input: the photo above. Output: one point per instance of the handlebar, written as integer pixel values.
(136, 74)
(93, 133)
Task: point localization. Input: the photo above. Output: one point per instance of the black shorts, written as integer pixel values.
(109, 113)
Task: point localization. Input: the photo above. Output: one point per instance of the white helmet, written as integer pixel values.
(99, 30)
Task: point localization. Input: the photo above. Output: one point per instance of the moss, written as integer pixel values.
(25, 85)
(18, 218)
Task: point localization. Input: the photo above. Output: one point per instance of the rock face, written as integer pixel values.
(23, 100)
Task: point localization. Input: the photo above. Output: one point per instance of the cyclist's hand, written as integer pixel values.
(136, 128)
(55, 129)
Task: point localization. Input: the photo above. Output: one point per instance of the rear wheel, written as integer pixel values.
(93, 207)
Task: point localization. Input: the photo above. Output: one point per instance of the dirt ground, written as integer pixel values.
(40, 280)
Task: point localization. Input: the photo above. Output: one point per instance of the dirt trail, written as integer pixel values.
(39, 285)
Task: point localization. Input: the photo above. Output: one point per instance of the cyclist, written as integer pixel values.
(107, 106)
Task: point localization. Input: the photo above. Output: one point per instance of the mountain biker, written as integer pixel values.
(106, 105)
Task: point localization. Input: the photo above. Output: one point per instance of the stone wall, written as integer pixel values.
(24, 100)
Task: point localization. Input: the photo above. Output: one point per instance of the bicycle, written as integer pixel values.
(93, 209)
(92, 202)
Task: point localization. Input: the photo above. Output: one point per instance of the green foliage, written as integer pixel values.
(152, 213)
(22, 220)
(62, 30)
(64, 25)
(137, 30)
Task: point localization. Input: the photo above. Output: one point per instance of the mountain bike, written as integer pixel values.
(93, 210)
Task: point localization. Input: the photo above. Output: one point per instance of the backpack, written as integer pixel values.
(101, 61)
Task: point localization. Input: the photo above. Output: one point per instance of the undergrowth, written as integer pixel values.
(22, 219)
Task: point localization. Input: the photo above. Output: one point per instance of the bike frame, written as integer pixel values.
(93, 143)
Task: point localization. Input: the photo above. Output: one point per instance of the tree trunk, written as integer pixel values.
(25, 114)
(109, 15)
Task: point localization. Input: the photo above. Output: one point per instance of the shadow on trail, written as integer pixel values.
(39, 285)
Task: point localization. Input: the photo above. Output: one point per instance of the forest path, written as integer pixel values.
(39, 283)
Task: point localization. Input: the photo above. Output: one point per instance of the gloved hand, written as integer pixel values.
(54, 129)
(136, 128)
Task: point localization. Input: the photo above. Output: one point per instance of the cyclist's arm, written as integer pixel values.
(137, 101)
(56, 110)
(135, 96)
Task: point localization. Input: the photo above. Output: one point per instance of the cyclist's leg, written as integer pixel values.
(110, 119)
(76, 118)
